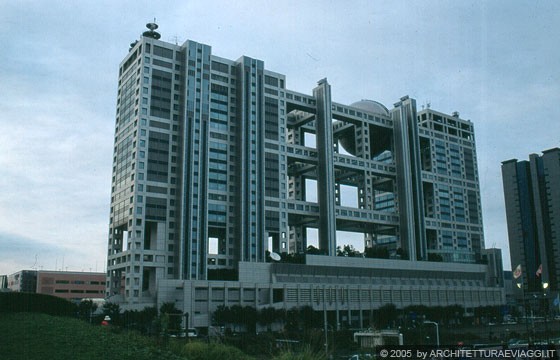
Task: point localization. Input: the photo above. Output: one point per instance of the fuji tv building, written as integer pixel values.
(223, 178)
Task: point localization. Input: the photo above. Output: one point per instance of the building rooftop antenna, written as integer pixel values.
(176, 39)
(151, 33)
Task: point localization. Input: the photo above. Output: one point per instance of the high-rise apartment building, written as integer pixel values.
(217, 164)
(532, 197)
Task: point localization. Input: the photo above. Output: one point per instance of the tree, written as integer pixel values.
(435, 257)
(308, 317)
(146, 319)
(267, 316)
(142, 321)
(86, 308)
(312, 250)
(378, 252)
(293, 258)
(113, 311)
(415, 315)
(486, 313)
(348, 251)
(220, 316)
(171, 317)
(292, 320)
(403, 255)
(386, 316)
(235, 313)
(249, 318)
(453, 314)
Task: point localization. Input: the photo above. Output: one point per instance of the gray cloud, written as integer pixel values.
(19, 253)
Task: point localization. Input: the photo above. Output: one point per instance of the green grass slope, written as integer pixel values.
(29, 336)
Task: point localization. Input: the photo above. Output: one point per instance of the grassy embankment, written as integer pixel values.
(36, 326)
(38, 336)
(30, 336)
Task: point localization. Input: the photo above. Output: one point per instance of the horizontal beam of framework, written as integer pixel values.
(376, 167)
(307, 104)
(341, 127)
(380, 122)
(427, 176)
(343, 176)
(299, 169)
(309, 155)
(304, 208)
(298, 118)
(355, 120)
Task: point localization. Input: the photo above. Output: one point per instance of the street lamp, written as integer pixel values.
(437, 330)
(545, 287)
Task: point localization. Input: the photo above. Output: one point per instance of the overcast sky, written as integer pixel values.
(497, 63)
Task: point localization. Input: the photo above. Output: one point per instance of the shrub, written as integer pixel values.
(37, 303)
(306, 354)
(201, 351)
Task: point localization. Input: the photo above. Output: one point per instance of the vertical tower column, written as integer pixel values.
(363, 150)
(367, 200)
(298, 239)
(521, 234)
(409, 179)
(194, 169)
(325, 168)
(539, 199)
(551, 176)
(251, 172)
(366, 196)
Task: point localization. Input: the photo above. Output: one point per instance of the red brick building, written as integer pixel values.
(71, 285)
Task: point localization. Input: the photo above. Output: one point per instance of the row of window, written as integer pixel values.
(80, 282)
(76, 291)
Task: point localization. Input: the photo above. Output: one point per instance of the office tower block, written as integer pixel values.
(218, 165)
(198, 176)
(450, 186)
(532, 198)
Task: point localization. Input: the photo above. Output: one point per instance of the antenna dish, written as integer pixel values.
(152, 26)
(274, 256)
(151, 33)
